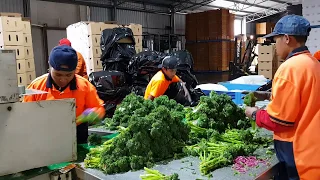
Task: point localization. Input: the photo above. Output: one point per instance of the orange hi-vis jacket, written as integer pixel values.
(79, 88)
(158, 85)
(295, 102)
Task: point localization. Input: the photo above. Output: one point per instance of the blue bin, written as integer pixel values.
(235, 96)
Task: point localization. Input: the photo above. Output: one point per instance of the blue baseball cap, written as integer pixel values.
(293, 25)
(63, 58)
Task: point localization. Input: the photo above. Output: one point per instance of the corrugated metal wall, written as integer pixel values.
(180, 23)
(15, 6)
(152, 23)
(100, 14)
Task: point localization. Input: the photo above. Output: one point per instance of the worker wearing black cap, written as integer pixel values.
(160, 82)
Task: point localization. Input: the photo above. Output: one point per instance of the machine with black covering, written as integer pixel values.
(111, 87)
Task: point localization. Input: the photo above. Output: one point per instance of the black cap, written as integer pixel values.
(169, 62)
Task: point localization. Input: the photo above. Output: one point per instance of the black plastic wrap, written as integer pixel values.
(111, 88)
(187, 77)
(115, 55)
(185, 60)
(145, 62)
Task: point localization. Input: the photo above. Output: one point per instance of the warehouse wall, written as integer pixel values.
(61, 15)
(15, 6)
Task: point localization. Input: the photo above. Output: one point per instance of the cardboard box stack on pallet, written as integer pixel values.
(85, 38)
(15, 34)
(268, 61)
(209, 38)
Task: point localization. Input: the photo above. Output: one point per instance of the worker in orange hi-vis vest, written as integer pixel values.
(293, 113)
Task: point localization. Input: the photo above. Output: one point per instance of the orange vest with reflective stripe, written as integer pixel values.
(295, 102)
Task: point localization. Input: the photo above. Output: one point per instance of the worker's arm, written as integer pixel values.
(95, 110)
(29, 98)
(176, 79)
(151, 97)
(283, 109)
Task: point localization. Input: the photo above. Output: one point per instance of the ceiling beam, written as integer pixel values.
(249, 4)
(219, 7)
(200, 4)
(91, 4)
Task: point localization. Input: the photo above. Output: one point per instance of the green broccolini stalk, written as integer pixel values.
(156, 175)
(250, 100)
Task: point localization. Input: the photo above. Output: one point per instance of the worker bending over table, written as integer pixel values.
(160, 82)
(62, 82)
(294, 110)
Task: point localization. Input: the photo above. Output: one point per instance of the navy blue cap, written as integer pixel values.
(293, 25)
(63, 58)
(169, 62)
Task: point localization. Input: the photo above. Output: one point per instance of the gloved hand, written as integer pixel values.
(260, 95)
(91, 115)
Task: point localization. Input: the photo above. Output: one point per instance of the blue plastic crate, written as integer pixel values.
(246, 87)
(235, 96)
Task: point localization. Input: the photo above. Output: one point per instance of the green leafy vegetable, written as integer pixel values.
(156, 175)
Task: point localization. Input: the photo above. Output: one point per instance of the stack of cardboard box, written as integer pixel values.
(85, 38)
(268, 61)
(209, 38)
(15, 34)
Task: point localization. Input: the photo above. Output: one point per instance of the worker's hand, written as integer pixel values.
(260, 95)
(91, 115)
(250, 110)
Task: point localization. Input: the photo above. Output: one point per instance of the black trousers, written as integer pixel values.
(82, 133)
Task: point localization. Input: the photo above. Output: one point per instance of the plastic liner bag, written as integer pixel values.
(145, 62)
(117, 46)
(187, 77)
(111, 88)
(107, 80)
(185, 60)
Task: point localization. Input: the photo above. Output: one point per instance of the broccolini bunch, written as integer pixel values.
(152, 133)
(217, 112)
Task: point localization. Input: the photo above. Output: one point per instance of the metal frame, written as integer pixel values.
(179, 6)
(266, 12)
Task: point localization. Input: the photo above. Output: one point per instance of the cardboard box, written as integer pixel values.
(11, 38)
(95, 52)
(26, 27)
(20, 54)
(108, 26)
(94, 40)
(94, 28)
(266, 52)
(10, 24)
(27, 40)
(138, 40)
(31, 76)
(22, 79)
(96, 63)
(139, 49)
(266, 64)
(264, 28)
(28, 52)
(136, 29)
(267, 73)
